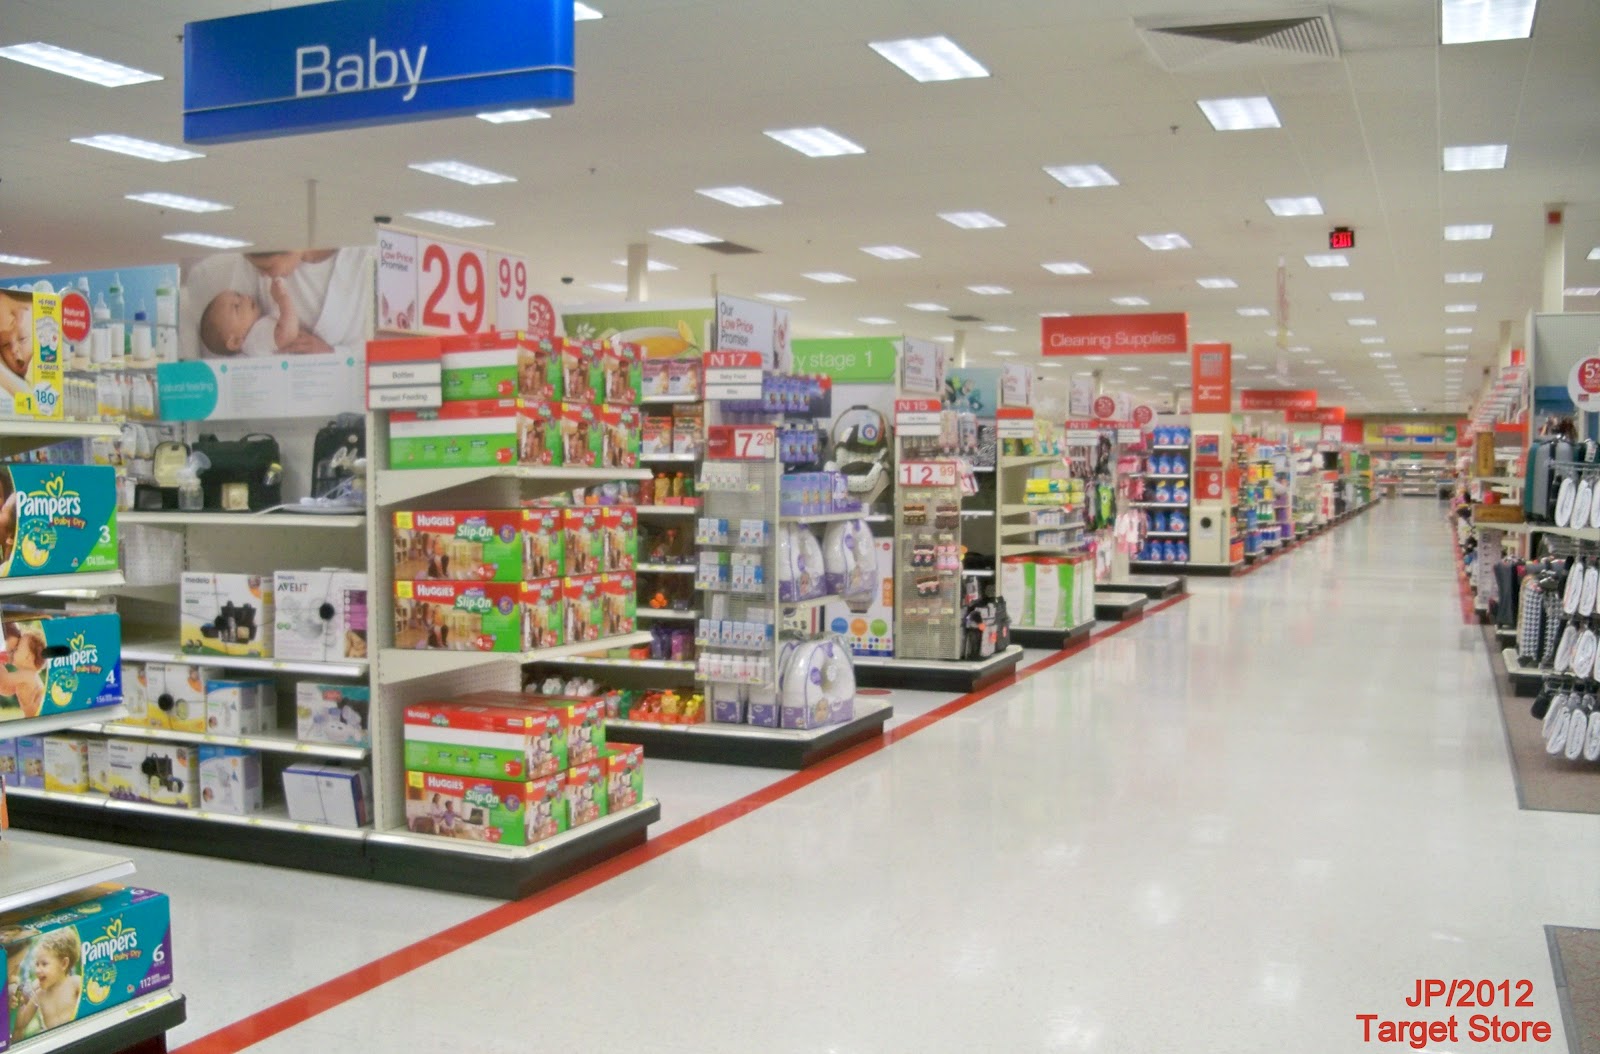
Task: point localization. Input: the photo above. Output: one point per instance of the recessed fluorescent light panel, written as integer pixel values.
(450, 219)
(1471, 21)
(1295, 206)
(461, 172)
(889, 252)
(989, 290)
(1363, 322)
(1474, 158)
(1581, 290)
(1327, 260)
(1254, 312)
(828, 277)
(739, 197)
(1164, 242)
(1594, 254)
(1128, 369)
(513, 116)
(1130, 301)
(1455, 347)
(815, 142)
(21, 261)
(582, 12)
(1457, 331)
(650, 265)
(970, 220)
(874, 320)
(930, 59)
(1460, 309)
(1238, 115)
(927, 306)
(1381, 355)
(141, 148)
(1080, 177)
(1455, 360)
(609, 287)
(686, 235)
(1216, 283)
(99, 71)
(1066, 267)
(1000, 329)
(210, 241)
(1051, 365)
(1468, 232)
(179, 201)
(1347, 295)
(781, 298)
(1463, 277)
(1002, 353)
(1372, 340)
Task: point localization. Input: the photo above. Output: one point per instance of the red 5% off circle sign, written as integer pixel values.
(1583, 384)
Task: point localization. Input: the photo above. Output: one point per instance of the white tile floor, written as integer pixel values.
(1231, 827)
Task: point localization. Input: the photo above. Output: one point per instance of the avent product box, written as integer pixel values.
(473, 545)
(30, 762)
(226, 614)
(483, 810)
(117, 940)
(65, 520)
(60, 663)
(480, 433)
(333, 713)
(230, 780)
(459, 616)
(320, 615)
(482, 366)
(485, 741)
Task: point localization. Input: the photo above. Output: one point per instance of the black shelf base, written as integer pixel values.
(1119, 607)
(933, 676)
(1156, 568)
(1155, 587)
(740, 745)
(1051, 639)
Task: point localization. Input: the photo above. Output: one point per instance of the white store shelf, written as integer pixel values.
(1017, 508)
(19, 434)
(272, 818)
(168, 651)
(974, 514)
(277, 742)
(43, 726)
(1169, 446)
(1158, 504)
(825, 517)
(400, 836)
(1024, 530)
(680, 458)
(80, 1034)
(1029, 548)
(1166, 534)
(666, 569)
(667, 510)
(1028, 460)
(814, 602)
(403, 664)
(32, 873)
(272, 520)
(661, 400)
(21, 584)
(622, 663)
(977, 572)
(405, 484)
(668, 615)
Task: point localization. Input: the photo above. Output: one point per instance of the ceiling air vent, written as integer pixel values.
(966, 318)
(1286, 38)
(729, 248)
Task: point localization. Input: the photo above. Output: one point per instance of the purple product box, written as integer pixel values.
(763, 710)
(728, 711)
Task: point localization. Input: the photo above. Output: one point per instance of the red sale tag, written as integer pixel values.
(928, 473)
(453, 286)
(741, 442)
(511, 292)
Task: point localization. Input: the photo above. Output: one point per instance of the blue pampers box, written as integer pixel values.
(54, 664)
(79, 954)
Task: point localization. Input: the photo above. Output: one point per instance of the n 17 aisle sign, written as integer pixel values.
(435, 287)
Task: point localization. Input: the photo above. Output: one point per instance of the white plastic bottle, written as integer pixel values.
(166, 324)
(120, 340)
(143, 348)
(100, 331)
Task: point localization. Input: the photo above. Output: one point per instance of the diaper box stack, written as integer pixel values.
(60, 663)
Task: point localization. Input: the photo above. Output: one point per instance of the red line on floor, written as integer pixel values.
(298, 1009)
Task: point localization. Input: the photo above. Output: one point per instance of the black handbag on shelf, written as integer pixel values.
(250, 468)
(338, 445)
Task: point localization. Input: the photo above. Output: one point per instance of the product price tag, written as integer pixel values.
(1583, 383)
(742, 442)
(510, 292)
(928, 473)
(453, 287)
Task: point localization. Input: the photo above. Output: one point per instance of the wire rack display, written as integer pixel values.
(927, 610)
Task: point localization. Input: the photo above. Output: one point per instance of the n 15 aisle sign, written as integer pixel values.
(429, 286)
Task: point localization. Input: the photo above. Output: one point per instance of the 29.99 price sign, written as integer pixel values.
(429, 286)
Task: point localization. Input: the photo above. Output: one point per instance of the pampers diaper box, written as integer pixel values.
(85, 952)
(320, 615)
(59, 663)
(497, 811)
(225, 614)
(66, 520)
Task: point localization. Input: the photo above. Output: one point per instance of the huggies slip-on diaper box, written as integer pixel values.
(500, 812)
(79, 954)
(466, 545)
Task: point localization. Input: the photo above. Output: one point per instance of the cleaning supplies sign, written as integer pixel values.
(1583, 384)
(355, 63)
(1149, 334)
(848, 360)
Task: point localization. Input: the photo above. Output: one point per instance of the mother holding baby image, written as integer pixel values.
(270, 304)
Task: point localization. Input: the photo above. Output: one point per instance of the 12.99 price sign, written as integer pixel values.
(428, 286)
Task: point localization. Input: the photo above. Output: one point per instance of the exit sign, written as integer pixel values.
(1342, 238)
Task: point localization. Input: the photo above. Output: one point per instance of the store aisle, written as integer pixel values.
(1235, 825)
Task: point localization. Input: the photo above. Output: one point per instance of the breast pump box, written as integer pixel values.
(320, 616)
(226, 614)
(230, 780)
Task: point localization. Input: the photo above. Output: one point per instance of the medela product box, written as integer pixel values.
(472, 545)
(66, 764)
(59, 663)
(483, 741)
(480, 433)
(82, 953)
(99, 767)
(177, 695)
(172, 774)
(225, 614)
(230, 780)
(125, 779)
(320, 616)
(241, 706)
(332, 713)
(459, 616)
(500, 812)
(482, 366)
(65, 520)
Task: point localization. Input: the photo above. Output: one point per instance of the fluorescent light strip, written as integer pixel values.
(1474, 158)
(450, 219)
(1327, 260)
(582, 12)
(1216, 283)
(1472, 21)
(210, 241)
(828, 277)
(140, 148)
(989, 290)
(1468, 232)
(739, 197)
(1363, 321)
(461, 172)
(513, 116)
(1460, 309)
(1081, 177)
(99, 71)
(1253, 312)
(1242, 114)
(609, 287)
(1295, 206)
(21, 261)
(1455, 347)
(1130, 301)
(890, 252)
(178, 201)
(1000, 329)
(1594, 254)
(1372, 340)
(650, 266)
(1164, 242)
(781, 298)
(1457, 331)
(927, 305)
(874, 320)
(928, 59)
(686, 235)
(1463, 277)
(1581, 290)
(1066, 267)
(815, 142)
(1004, 354)
(1347, 295)
(970, 220)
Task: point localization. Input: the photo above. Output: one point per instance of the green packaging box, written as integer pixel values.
(495, 811)
(482, 366)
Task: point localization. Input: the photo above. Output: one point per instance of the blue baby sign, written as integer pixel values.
(353, 63)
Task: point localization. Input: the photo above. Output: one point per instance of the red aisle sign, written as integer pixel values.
(1322, 415)
(1152, 334)
(741, 442)
(1211, 378)
(1273, 399)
